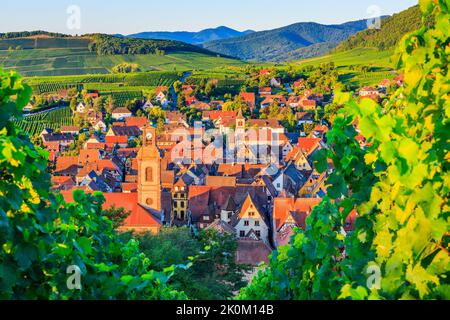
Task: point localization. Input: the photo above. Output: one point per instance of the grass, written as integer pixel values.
(76, 59)
(380, 63)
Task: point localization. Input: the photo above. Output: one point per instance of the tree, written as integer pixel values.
(397, 185)
(98, 104)
(109, 105)
(177, 85)
(73, 104)
(160, 126)
(116, 215)
(126, 68)
(213, 274)
(42, 236)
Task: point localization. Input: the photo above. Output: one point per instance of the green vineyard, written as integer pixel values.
(34, 124)
(121, 97)
(42, 85)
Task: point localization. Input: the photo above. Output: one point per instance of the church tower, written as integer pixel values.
(240, 121)
(149, 171)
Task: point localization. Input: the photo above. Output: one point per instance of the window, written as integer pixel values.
(258, 233)
(246, 223)
(149, 174)
(206, 218)
(242, 234)
(257, 223)
(251, 214)
(182, 204)
(175, 204)
(230, 214)
(278, 185)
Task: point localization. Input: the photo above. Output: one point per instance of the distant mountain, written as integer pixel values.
(200, 37)
(301, 39)
(392, 30)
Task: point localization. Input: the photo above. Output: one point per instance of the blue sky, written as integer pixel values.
(131, 16)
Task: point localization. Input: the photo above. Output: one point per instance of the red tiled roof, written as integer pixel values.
(116, 139)
(65, 162)
(308, 103)
(70, 129)
(265, 90)
(264, 72)
(297, 208)
(308, 145)
(140, 218)
(129, 186)
(220, 181)
(248, 97)
(136, 121)
(215, 115)
(121, 110)
(88, 155)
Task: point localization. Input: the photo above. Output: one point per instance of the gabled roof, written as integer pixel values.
(252, 252)
(136, 122)
(129, 131)
(249, 202)
(58, 137)
(249, 97)
(221, 226)
(121, 110)
(140, 219)
(308, 145)
(230, 205)
(297, 209)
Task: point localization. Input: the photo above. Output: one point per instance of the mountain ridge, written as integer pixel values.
(202, 36)
(272, 45)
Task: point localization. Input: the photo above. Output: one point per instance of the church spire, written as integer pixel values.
(240, 116)
(240, 120)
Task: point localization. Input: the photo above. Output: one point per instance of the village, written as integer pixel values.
(235, 169)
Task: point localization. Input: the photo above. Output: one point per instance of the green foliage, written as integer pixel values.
(399, 186)
(41, 235)
(212, 273)
(392, 31)
(108, 45)
(126, 68)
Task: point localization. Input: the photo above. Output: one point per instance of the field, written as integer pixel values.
(380, 63)
(230, 76)
(108, 83)
(34, 124)
(60, 57)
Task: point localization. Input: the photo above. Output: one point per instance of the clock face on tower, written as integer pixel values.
(149, 136)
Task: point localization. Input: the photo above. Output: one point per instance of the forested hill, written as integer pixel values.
(24, 34)
(392, 30)
(275, 45)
